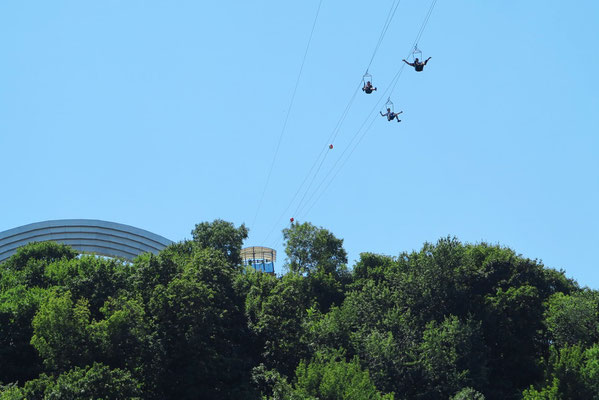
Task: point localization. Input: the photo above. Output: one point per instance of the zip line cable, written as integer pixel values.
(390, 16)
(377, 105)
(339, 170)
(420, 33)
(330, 140)
(336, 130)
(388, 20)
(299, 75)
(356, 135)
(396, 79)
(428, 16)
(372, 111)
(322, 153)
(392, 86)
(394, 82)
(370, 114)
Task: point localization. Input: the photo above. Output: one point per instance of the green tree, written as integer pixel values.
(573, 373)
(491, 286)
(513, 329)
(124, 336)
(369, 324)
(11, 392)
(274, 386)
(276, 311)
(333, 378)
(151, 271)
(19, 359)
(95, 382)
(28, 265)
(374, 267)
(201, 329)
(40, 251)
(452, 357)
(319, 255)
(89, 383)
(450, 319)
(222, 236)
(61, 333)
(550, 392)
(310, 249)
(93, 278)
(590, 370)
(573, 319)
(577, 371)
(468, 394)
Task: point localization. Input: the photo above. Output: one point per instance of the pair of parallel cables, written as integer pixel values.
(310, 201)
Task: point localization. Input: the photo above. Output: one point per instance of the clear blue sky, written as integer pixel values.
(164, 114)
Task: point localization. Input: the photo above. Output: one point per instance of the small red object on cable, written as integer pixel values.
(291, 220)
(330, 146)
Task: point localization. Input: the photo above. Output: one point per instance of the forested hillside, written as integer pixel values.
(450, 321)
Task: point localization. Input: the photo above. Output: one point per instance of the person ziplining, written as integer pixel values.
(417, 64)
(368, 88)
(391, 115)
(413, 59)
(417, 56)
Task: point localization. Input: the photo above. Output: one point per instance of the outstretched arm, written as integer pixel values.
(411, 65)
(401, 112)
(382, 115)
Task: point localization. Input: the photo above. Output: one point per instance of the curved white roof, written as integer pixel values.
(104, 238)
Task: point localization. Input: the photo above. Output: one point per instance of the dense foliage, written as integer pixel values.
(450, 321)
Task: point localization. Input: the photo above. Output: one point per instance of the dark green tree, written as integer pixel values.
(549, 392)
(276, 311)
(319, 255)
(451, 357)
(19, 359)
(468, 394)
(90, 383)
(151, 271)
(92, 278)
(333, 378)
(202, 332)
(573, 373)
(310, 249)
(451, 319)
(47, 252)
(61, 330)
(222, 236)
(573, 319)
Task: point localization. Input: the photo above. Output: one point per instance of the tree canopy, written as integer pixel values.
(451, 320)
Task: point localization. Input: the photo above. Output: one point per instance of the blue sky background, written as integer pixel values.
(164, 114)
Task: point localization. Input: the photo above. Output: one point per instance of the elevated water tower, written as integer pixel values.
(260, 258)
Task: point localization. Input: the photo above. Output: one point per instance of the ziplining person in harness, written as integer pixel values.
(417, 64)
(368, 88)
(391, 115)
